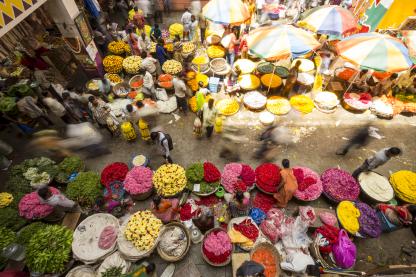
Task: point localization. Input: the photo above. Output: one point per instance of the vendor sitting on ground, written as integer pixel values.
(360, 81)
(60, 203)
(239, 204)
(165, 209)
(290, 185)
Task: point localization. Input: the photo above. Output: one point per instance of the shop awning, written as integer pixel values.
(12, 12)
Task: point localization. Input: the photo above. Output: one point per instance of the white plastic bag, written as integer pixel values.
(161, 94)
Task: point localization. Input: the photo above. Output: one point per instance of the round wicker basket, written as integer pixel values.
(272, 249)
(218, 64)
(165, 256)
(136, 78)
(121, 89)
(205, 257)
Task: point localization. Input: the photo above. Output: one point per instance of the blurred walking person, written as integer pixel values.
(360, 138)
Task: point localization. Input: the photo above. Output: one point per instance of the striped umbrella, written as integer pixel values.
(330, 20)
(227, 12)
(275, 42)
(375, 51)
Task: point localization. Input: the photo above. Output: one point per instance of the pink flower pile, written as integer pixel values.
(339, 185)
(237, 176)
(309, 184)
(138, 180)
(31, 208)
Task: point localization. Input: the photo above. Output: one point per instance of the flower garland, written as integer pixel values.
(237, 176)
(348, 216)
(138, 180)
(309, 184)
(339, 185)
(369, 221)
(268, 177)
(211, 173)
(114, 172)
(30, 206)
(217, 247)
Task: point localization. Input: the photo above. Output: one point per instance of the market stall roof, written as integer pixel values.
(375, 51)
(12, 12)
(281, 41)
(331, 20)
(230, 12)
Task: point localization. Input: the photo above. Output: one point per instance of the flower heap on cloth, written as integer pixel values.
(339, 185)
(404, 184)
(217, 247)
(237, 177)
(114, 172)
(138, 180)
(206, 175)
(271, 227)
(268, 177)
(328, 235)
(309, 184)
(348, 215)
(143, 229)
(361, 101)
(108, 237)
(244, 233)
(370, 225)
(169, 179)
(31, 208)
(263, 201)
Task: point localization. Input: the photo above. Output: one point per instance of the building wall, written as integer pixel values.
(180, 5)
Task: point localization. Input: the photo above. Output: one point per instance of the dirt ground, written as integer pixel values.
(317, 137)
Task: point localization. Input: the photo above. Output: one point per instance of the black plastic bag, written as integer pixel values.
(250, 268)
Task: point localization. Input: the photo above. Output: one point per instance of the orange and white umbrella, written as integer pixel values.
(226, 12)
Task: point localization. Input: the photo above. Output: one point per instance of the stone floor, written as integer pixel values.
(317, 137)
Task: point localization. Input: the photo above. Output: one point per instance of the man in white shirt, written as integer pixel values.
(163, 140)
(186, 22)
(180, 94)
(56, 107)
(381, 157)
(148, 63)
(144, 42)
(148, 85)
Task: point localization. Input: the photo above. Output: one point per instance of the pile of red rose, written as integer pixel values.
(114, 172)
(309, 184)
(268, 177)
(237, 177)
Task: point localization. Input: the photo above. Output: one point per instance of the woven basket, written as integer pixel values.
(213, 39)
(171, 259)
(142, 196)
(271, 248)
(314, 249)
(218, 64)
(136, 78)
(205, 257)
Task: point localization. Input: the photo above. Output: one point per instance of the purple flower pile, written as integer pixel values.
(369, 222)
(340, 185)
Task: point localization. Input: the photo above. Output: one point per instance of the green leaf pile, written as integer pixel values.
(9, 218)
(7, 104)
(195, 173)
(115, 271)
(85, 189)
(7, 237)
(29, 231)
(68, 166)
(49, 249)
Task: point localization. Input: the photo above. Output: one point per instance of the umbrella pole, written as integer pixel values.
(352, 82)
(271, 78)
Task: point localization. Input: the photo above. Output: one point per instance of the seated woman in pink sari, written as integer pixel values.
(166, 210)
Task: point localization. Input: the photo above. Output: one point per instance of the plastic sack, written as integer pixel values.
(344, 251)
(161, 94)
(257, 215)
(307, 214)
(328, 218)
(250, 268)
(294, 233)
(270, 230)
(277, 215)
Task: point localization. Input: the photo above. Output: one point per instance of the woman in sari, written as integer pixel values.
(290, 185)
(165, 209)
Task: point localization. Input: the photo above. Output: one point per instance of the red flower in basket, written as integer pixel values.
(211, 173)
(114, 172)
